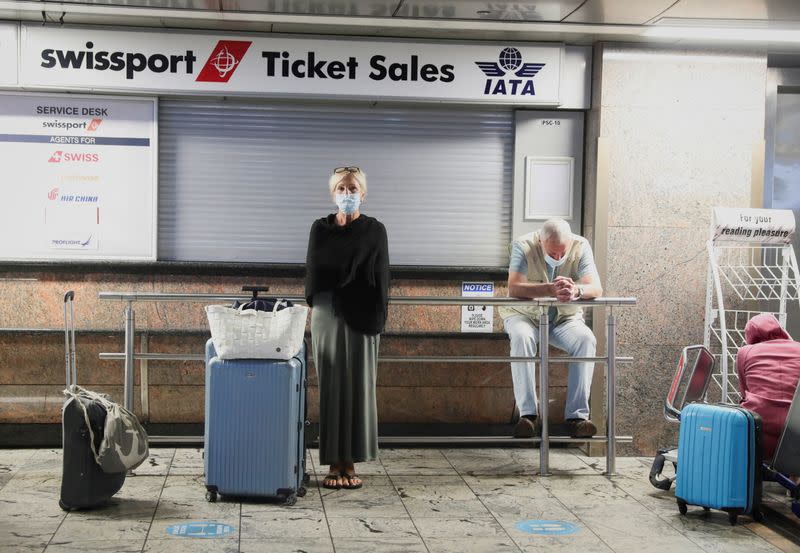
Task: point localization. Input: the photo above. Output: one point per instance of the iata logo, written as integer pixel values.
(59, 156)
(223, 61)
(53, 194)
(510, 60)
(93, 124)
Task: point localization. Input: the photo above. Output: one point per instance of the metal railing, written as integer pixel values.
(543, 358)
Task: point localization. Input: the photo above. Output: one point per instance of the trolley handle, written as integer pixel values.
(255, 290)
(69, 339)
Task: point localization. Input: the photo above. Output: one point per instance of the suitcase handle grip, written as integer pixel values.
(69, 296)
(255, 290)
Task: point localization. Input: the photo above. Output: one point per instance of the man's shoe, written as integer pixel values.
(581, 428)
(527, 428)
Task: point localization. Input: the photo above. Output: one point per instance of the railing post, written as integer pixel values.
(544, 393)
(130, 322)
(611, 399)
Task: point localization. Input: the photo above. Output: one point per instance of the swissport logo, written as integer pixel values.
(223, 61)
(92, 126)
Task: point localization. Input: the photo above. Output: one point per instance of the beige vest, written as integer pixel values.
(537, 273)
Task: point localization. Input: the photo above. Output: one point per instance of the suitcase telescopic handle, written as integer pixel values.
(255, 290)
(69, 338)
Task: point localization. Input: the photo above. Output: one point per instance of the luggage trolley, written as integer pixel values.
(689, 385)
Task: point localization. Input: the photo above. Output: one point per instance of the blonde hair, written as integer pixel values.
(336, 178)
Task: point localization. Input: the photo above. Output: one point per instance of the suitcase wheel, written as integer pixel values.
(757, 515)
(211, 496)
(63, 505)
(682, 507)
(306, 478)
(302, 491)
(291, 500)
(706, 509)
(732, 518)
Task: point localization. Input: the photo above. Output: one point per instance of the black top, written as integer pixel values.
(352, 262)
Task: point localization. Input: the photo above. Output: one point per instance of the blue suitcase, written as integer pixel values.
(719, 460)
(254, 427)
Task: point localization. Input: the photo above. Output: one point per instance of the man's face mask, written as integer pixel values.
(552, 262)
(348, 203)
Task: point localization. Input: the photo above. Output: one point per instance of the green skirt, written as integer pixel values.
(346, 363)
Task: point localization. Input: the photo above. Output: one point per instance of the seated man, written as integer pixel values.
(769, 369)
(552, 262)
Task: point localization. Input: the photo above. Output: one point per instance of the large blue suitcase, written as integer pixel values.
(254, 427)
(719, 460)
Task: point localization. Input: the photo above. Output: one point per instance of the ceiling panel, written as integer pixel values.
(355, 8)
(618, 12)
(543, 10)
(772, 10)
(173, 4)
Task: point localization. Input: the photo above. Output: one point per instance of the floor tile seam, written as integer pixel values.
(324, 510)
(491, 514)
(405, 507)
(158, 501)
(653, 511)
(576, 515)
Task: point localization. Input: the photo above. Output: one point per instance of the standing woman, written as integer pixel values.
(347, 284)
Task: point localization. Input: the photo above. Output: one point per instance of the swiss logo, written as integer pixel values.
(223, 61)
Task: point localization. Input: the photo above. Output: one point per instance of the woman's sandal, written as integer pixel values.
(332, 477)
(349, 479)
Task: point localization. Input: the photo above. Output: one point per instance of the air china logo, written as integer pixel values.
(223, 61)
(59, 156)
(509, 61)
(53, 194)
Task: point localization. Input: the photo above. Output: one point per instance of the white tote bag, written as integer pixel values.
(250, 334)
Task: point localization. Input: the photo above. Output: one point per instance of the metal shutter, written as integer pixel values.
(242, 181)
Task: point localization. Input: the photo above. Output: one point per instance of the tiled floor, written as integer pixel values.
(426, 500)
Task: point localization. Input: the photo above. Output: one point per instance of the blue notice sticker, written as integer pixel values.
(547, 527)
(200, 530)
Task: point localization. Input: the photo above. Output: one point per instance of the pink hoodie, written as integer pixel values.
(769, 369)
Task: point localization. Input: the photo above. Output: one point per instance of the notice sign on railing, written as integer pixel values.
(477, 318)
(81, 172)
(771, 226)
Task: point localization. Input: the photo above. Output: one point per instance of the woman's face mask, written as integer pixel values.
(348, 203)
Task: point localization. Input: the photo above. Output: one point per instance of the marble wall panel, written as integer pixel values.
(680, 125)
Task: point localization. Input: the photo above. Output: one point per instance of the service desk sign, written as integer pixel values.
(85, 58)
(765, 226)
(8, 53)
(477, 318)
(78, 177)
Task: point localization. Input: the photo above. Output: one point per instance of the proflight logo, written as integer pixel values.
(60, 156)
(509, 61)
(223, 61)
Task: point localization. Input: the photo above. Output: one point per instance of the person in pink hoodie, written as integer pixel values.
(769, 369)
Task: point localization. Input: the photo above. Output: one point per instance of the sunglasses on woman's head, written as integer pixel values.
(352, 169)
